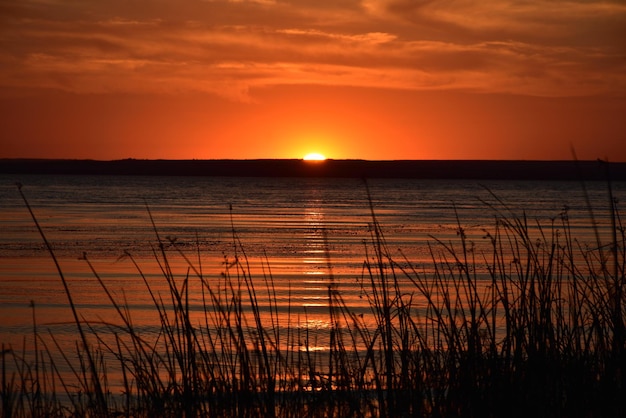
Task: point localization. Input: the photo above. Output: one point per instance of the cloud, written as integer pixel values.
(229, 48)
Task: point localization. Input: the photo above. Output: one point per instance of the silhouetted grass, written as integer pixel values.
(531, 326)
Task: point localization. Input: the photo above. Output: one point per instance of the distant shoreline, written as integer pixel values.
(416, 169)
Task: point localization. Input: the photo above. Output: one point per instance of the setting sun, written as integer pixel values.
(314, 156)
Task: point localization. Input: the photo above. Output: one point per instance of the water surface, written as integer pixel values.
(300, 234)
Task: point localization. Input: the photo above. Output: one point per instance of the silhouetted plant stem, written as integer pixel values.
(101, 402)
(527, 325)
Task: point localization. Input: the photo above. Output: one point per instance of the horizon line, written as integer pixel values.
(312, 161)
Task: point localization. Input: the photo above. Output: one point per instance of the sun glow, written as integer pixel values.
(314, 156)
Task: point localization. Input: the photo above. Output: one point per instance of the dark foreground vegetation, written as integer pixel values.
(532, 327)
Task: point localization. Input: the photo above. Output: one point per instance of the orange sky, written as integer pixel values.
(368, 79)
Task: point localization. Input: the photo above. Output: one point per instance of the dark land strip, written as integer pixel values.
(418, 169)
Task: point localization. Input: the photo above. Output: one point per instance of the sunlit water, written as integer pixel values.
(301, 234)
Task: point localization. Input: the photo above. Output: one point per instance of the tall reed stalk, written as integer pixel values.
(530, 324)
